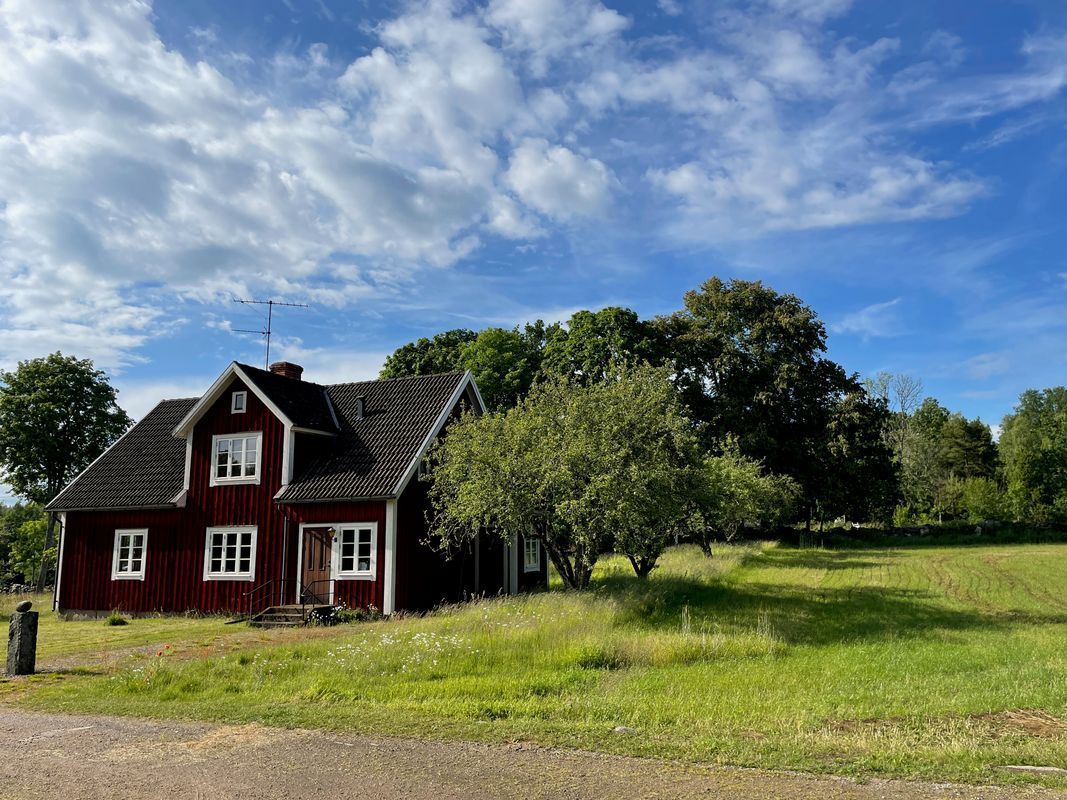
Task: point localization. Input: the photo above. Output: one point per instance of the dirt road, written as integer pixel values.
(71, 757)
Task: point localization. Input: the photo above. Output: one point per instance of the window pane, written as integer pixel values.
(216, 564)
(364, 565)
(135, 566)
(245, 565)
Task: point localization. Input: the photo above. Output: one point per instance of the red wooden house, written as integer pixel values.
(270, 490)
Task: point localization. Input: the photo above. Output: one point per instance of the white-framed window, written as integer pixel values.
(230, 553)
(238, 402)
(235, 458)
(357, 550)
(127, 564)
(531, 555)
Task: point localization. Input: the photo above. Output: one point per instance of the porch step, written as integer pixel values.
(282, 616)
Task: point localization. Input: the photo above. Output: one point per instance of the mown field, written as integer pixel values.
(935, 663)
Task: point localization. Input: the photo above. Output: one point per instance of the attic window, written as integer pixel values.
(235, 458)
(238, 402)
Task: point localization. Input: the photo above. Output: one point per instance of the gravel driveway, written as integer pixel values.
(73, 757)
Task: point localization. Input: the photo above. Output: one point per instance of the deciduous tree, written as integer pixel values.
(57, 414)
(582, 468)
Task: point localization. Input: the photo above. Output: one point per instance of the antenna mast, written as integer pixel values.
(265, 332)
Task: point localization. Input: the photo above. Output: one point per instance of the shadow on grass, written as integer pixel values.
(800, 614)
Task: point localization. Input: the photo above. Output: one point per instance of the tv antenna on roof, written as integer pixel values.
(265, 332)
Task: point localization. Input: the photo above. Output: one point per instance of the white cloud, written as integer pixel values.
(987, 365)
(558, 182)
(549, 29)
(875, 320)
(135, 179)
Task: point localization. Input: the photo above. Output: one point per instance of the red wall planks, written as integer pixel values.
(174, 562)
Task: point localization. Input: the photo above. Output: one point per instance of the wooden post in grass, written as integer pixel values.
(22, 640)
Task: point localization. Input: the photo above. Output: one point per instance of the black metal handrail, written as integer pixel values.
(312, 595)
(254, 597)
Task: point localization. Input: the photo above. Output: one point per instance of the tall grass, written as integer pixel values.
(933, 663)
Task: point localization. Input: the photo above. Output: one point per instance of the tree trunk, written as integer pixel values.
(49, 534)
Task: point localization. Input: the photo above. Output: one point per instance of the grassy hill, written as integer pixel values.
(941, 663)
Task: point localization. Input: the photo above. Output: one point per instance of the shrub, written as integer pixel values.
(115, 618)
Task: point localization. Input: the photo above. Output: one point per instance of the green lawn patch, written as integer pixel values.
(932, 663)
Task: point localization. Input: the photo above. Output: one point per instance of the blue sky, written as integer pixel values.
(410, 167)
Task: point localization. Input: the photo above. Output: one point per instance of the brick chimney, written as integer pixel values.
(287, 369)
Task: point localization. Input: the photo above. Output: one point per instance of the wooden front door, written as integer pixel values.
(317, 558)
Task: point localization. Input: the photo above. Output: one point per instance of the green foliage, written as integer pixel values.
(28, 548)
(20, 551)
(859, 477)
(428, 356)
(736, 492)
(1033, 445)
(593, 341)
(579, 467)
(504, 364)
(115, 620)
(983, 499)
(940, 453)
(750, 363)
(57, 414)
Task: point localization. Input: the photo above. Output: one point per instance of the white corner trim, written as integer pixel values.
(215, 392)
(288, 446)
(188, 464)
(129, 576)
(62, 516)
(389, 595)
(438, 426)
(239, 576)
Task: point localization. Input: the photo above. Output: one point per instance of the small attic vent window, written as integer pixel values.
(238, 402)
(361, 403)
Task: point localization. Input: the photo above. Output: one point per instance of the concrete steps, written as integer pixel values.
(282, 617)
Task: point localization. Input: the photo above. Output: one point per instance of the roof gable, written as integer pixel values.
(370, 456)
(298, 404)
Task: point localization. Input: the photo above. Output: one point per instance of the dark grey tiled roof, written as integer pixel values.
(370, 455)
(146, 467)
(303, 402)
(367, 457)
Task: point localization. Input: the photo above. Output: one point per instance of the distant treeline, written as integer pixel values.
(750, 367)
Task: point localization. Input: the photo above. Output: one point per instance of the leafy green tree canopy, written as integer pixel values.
(1033, 446)
(582, 468)
(428, 356)
(750, 362)
(57, 414)
(593, 341)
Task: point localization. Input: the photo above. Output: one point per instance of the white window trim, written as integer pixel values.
(355, 575)
(129, 576)
(526, 566)
(230, 576)
(215, 481)
(233, 402)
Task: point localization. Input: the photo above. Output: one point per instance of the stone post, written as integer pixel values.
(22, 640)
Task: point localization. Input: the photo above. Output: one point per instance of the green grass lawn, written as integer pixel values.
(932, 663)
